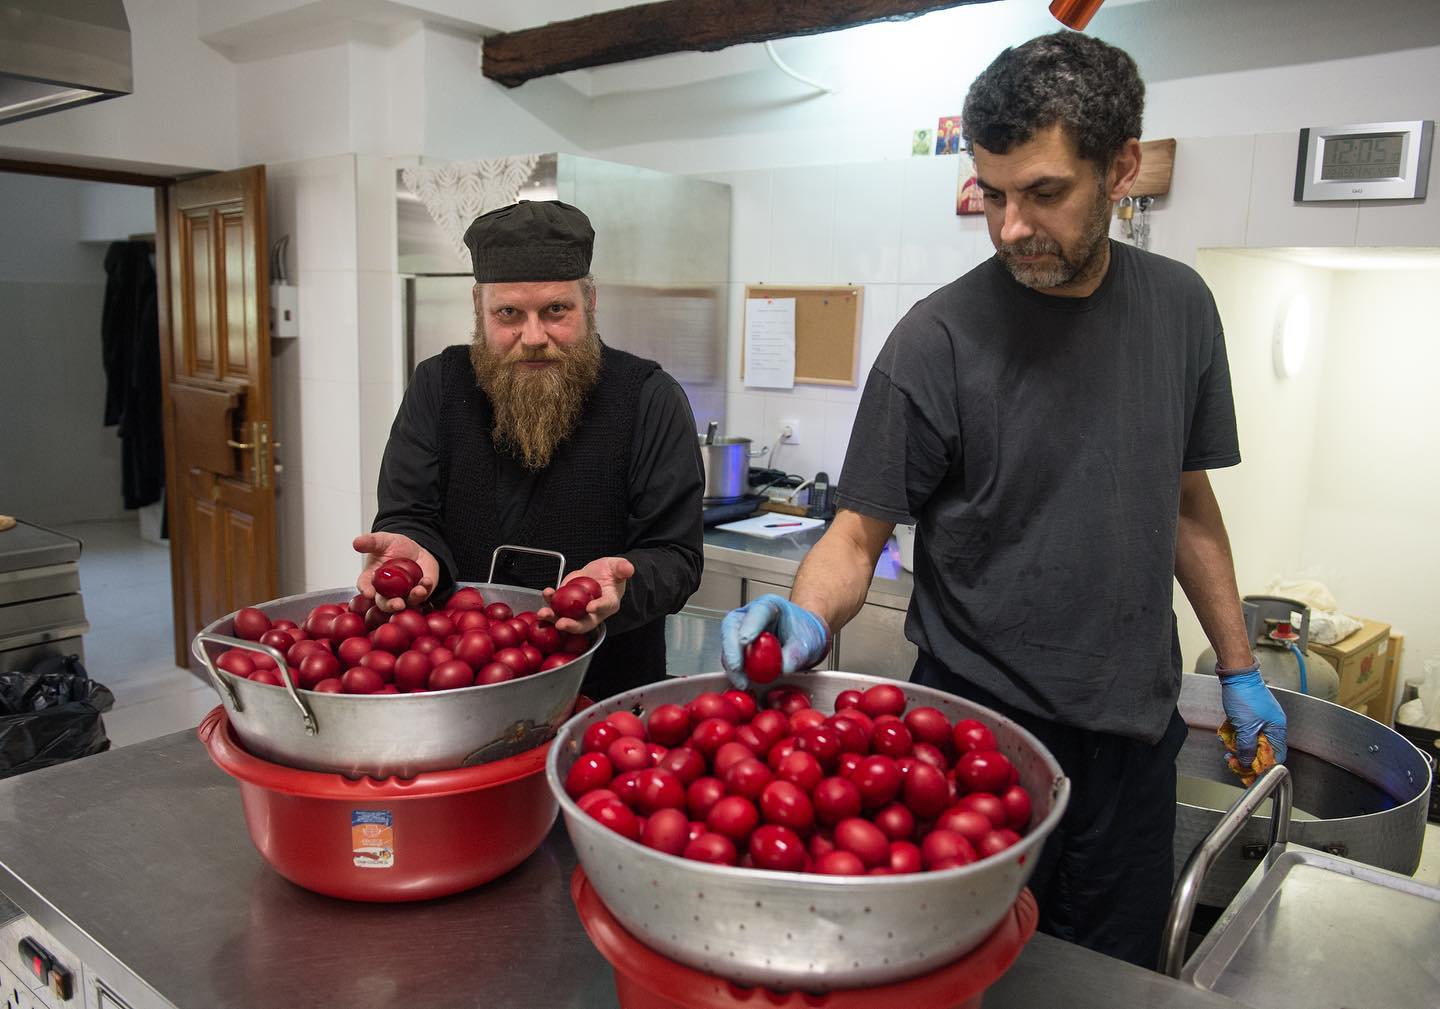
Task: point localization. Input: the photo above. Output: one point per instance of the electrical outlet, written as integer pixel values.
(790, 432)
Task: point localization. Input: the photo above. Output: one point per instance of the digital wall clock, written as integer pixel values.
(1366, 161)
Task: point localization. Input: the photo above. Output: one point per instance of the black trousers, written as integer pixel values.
(1105, 875)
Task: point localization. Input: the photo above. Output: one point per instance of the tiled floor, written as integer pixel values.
(125, 582)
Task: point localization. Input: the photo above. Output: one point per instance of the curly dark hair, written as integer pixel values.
(1091, 88)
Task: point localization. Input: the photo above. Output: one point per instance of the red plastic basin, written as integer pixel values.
(646, 980)
(398, 839)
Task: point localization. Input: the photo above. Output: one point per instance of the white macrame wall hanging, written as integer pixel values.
(457, 192)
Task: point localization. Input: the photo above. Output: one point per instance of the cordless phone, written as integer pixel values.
(822, 496)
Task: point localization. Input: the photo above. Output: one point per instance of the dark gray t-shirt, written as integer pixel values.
(1038, 443)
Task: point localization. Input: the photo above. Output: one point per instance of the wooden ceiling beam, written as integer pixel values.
(673, 26)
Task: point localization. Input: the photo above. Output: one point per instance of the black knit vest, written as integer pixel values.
(580, 506)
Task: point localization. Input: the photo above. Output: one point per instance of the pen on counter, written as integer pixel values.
(781, 525)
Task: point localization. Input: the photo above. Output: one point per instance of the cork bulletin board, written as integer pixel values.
(827, 331)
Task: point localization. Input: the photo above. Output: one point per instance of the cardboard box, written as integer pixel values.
(1383, 708)
(1360, 660)
(1367, 702)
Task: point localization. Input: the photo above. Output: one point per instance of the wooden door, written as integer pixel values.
(218, 439)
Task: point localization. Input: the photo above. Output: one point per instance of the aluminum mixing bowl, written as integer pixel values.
(380, 735)
(800, 930)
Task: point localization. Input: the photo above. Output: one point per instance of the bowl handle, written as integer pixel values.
(495, 557)
(1273, 784)
(197, 647)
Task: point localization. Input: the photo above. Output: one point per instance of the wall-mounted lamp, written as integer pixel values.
(1292, 337)
(1074, 13)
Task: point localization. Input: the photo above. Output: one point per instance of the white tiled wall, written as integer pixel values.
(337, 385)
(888, 226)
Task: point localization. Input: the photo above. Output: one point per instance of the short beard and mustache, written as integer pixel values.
(535, 411)
(1071, 269)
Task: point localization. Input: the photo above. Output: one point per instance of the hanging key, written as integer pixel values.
(1141, 222)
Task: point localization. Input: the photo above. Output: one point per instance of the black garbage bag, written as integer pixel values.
(50, 714)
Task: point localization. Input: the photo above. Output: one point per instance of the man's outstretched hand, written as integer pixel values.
(379, 548)
(613, 574)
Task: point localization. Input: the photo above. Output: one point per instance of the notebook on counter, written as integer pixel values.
(772, 525)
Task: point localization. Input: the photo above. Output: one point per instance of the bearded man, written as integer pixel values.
(539, 435)
(1047, 420)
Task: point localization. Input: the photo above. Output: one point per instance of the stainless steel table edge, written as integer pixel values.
(98, 962)
(1232, 929)
(1046, 966)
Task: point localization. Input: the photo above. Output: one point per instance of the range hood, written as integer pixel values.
(56, 54)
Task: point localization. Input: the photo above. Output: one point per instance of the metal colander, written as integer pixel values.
(800, 930)
(397, 734)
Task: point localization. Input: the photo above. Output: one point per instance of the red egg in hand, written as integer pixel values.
(587, 584)
(570, 601)
(410, 566)
(393, 581)
(763, 660)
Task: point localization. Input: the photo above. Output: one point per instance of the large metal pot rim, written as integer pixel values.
(1199, 704)
(1059, 793)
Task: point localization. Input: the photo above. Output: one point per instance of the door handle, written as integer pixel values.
(260, 445)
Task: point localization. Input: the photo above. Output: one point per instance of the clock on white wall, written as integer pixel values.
(1364, 161)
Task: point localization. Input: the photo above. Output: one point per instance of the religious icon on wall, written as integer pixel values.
(920, 143)
(947, 135)
(968, 198)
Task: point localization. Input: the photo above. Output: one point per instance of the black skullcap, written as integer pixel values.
(530, 241)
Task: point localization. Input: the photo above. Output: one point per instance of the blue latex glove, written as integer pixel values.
(1252, 709)
(804, 638)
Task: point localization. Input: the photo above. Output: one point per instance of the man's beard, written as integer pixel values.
(535, 410)
(1070, 269)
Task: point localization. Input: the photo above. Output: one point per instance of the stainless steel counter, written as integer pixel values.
(139, 861)
(748, 556)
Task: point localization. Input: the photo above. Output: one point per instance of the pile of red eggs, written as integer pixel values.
(362, 649)
(871, 790)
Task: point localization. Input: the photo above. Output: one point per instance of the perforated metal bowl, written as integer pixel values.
(381, 735)
(800, 930)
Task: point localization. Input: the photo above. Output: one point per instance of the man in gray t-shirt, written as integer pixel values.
(1046, 420)
(1039, 442)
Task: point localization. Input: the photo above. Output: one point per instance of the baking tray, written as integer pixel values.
(1310, 930)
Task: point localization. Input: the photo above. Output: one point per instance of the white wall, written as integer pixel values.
(889, 226)
(467, 115)
(58, 462)
(1267, 498)
(1370, 530)
(336, 386)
